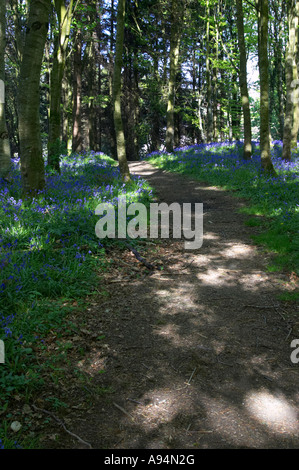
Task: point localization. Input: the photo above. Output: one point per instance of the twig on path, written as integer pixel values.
(141, 259)
(189, 381)
(290, 331)
(135, 401)
(123, 410)
(61, 423)
(188, 428)
(259, 306)
(187, 266)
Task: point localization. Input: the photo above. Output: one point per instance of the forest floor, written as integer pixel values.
(196, 355)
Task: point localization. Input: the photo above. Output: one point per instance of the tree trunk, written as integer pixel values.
(291, 124)
(5, 161)
(32, 162)
(278, 31)
(64, 15)
(77, 87)
(215, 78)
(67, 100)
(243, 82)
(209, 126)
(176, 12)
(118, 124)
(263, 19)
(91, 117)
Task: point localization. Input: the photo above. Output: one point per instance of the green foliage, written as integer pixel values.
(56, 150)
(50, 260)
(272, 200)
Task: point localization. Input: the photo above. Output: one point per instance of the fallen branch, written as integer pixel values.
(141, 259)
(61, 423)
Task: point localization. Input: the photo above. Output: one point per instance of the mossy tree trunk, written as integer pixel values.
(243, 82)
(32, 162)
(5, 157)
(209, 125)
(263, 20)
(291, 123)
(64, 16)
(77, 95)
(117, 91)
(177, 18)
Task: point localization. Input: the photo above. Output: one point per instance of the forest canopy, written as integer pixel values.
(128, 78)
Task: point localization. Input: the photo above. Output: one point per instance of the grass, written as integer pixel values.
(50, 259)
(274, 201)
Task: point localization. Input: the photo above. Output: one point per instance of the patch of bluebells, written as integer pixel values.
(222, 164)
(40, 243)
(15, 445)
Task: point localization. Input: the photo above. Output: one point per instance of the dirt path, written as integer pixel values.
(196, 355)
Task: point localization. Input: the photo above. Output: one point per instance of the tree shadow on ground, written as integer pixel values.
(196, 355)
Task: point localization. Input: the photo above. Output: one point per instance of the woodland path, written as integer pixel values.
(196, 355)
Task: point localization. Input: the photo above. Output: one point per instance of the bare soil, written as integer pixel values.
(194, 355)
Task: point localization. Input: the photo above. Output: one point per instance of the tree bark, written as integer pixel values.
(176, 12)
(67, 100)
(263, 19)
(209, 126)
(215, 78)
(32, 162)
(64, 15)
(291, 123)
(5, 156)
(77, 87)
(118, 124)
(278, 54)
(243, 82)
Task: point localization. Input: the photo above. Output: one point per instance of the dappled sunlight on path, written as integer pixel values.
(196, 355)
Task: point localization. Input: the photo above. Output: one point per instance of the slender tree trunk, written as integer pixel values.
(155, 97)
(176, 12)
(110, 110)
(98, 38)
(5, 161)
(291, 123)
(278, 31)
(215, 78)
(64, 15)
(77, 87)
(263, 18)
(118, 124)
(67, 112)
(130, 103)
(209, 131)
(32, 162)
(243, 82)
(200, 96)
(111, 45)
(91, 67)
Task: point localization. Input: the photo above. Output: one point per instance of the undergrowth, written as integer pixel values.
(50, 259)
(273, 200)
